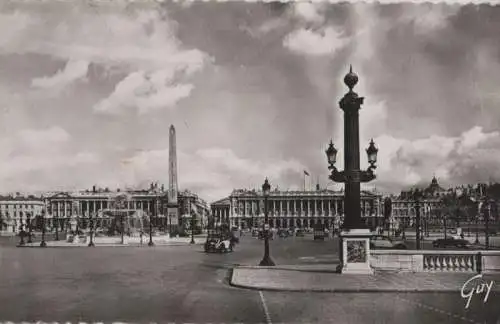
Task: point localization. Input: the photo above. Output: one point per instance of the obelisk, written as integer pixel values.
(172, 205)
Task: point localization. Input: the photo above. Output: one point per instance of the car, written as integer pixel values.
(450, 242)
(283, 233)
(220, 241)
(385, 242)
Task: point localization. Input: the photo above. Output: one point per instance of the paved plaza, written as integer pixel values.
(182, 284)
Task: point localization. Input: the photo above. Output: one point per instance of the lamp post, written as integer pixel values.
(192, 228)
(21, 234)
(57, 227)
(477, 228)
(91, 221)
(487, 223)
(43, 243)
(28, 218)
(266, 260)
(357, 247)
(122, 228)
(417, 195)
(404, 227)
(150, 243)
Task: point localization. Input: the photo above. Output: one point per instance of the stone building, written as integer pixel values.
(301, 209)
(16, 209)
(66, 207)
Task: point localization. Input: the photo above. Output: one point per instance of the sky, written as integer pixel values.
(88, 92)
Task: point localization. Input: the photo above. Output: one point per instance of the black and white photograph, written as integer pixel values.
(249, 162)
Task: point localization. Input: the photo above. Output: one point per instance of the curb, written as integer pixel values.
(342, 290)
(333, 270)
(104, 245)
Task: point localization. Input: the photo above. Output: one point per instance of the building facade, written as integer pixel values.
(404, 206)
(301, 209)
(15, 210)
(66, 207)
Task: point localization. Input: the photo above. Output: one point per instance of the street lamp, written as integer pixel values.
(151, 243)
(57, 226)
(404, 227)
(28, 217)
(417, 196)
(192, 228)
(43, 243)
(91, 221)
(356, 248)
(487, 222)
(266, 261)
(122, 228)
(21, 234)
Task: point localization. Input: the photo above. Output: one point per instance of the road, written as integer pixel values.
(184, 285)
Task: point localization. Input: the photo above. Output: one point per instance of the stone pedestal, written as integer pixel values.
(355, 251)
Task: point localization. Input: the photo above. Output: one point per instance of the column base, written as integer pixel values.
(355, 258)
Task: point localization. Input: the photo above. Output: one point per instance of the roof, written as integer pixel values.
(223, 201)
(20, 198)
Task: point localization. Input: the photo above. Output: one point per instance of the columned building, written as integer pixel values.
(16, 209)
(66, 207)
(302, 209)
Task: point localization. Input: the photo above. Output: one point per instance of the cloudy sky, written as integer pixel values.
(88, 92)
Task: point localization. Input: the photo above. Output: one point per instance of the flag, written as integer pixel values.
(306, 173)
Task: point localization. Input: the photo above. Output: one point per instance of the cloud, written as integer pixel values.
(146, 92)
(33, 150)
(141, 45)
(73, 71)
(306, 41)
(40, 137)
(309, 12)
(467, 158)
(212, 172)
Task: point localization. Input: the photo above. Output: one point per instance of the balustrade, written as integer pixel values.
(450, 262)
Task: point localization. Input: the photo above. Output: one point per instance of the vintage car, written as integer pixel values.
(220, 241)
(451, 242)
(385, 242)
(299, 233)
(283, 233)
(319, 233)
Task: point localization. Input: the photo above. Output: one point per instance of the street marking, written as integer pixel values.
(437, 310)
(266, 310)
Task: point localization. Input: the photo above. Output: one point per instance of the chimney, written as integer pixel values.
(93, 189)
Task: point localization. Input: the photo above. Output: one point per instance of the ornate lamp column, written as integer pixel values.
(43, 243)
(192, 228)
(417, 196)
(355, 237)
(266, 260)
(150, 243)
(487, 227)
(91, 224)
(21, 234)
(28, 217)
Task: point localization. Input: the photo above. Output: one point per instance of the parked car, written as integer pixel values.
(220, 241)
(385, 242)
(299, 233)
(450, 242)
(283, 233)
(261, 235)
